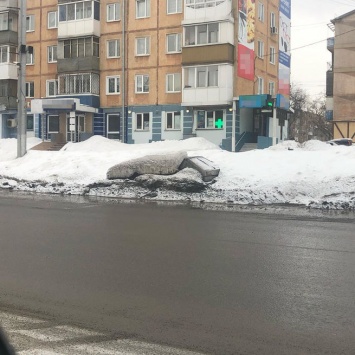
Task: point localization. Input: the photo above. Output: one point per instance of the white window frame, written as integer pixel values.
(30, 58)
(177, 4)
(176, 77)
(51, 13)
(272, 19)
(52, 54)
(48, 118)
(271, 88)
(30, 86)
(113, 12)
(272, 55)
(146, 45)
(196, 31)
(108, 126)
(30, 20)
(142, 78)
(177, 43)
(173, 121)
(143, 127)
(261, 12)
(117, 48)
(52, 81)
(260, 82)
(260, 49)
(116, 79)
(146, 12)
(207, 120)
(201, 81)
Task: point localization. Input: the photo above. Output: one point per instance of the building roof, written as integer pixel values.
(339, 18)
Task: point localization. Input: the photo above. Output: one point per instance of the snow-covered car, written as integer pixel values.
(341, 141)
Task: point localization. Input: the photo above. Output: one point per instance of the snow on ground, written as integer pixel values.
(314, 173)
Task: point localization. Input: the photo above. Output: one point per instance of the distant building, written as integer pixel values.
(147, 70)
(340, 89)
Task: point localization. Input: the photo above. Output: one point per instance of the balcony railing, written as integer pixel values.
(201, 4)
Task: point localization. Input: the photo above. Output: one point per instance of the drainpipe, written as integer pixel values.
(123, 84)
(21, 83)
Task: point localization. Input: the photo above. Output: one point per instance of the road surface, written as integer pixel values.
(208, 281)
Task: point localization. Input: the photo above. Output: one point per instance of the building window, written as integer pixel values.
(142, 84)
(52, 54)
(30, 58)
(210, 119)
(142, 46)
(261, 49)
(173, 82)
(113, 126)
(173, 120)
(80, 47)
(52, 87)
(84, 83)
(173, 6)
(202, 34)
(113, 12)
(272, 55)
(261, 12)
(53, 123)
(30, 89)
(271, 88)
(79, 10)
(272, 20)
(8, 54)
(113, 48)
(173, 43)
(142, 121)
(30, 23)
(201, 77)
(30, 123)
(52, 19)
(260, 85)
(112, 84)
(142, 8)
(4, 21)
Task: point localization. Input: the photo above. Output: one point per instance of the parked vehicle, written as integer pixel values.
(341, 141)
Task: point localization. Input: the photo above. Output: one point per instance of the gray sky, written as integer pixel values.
(309, 19)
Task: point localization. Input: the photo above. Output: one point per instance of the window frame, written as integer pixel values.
(52, 51)
(143, 115)
(173, 75)
(143, 77)
(116, 81)
(206, 78)
(30, 58)
(178, 43)
(272, 19)
(173, 114)
(272, 55)
(56, 19)
(260, 52)
(146, 9)
(197, 33)
(117, 48)
(31, 129)
(271, 85)
(207, 119)
(261, 12)
(51, 81)
(178, 7)
(260, 87)
(30, 89)
(31, 23)
(116, 11)
(108, 133)
(48, 125)
(146, 46)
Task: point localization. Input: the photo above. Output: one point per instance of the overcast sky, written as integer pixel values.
(309, 19)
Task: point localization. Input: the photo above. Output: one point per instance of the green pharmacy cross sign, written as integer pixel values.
(219, 123)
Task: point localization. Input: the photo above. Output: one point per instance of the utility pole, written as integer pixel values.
(21, 83)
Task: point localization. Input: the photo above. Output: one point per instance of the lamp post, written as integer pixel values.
(21, 84)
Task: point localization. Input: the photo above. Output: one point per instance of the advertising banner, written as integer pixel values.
(246, 37)
(284, 47)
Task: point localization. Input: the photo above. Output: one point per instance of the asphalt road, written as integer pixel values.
(210, 281)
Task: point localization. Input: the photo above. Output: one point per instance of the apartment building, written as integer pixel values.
(340, 90)
(140, 71)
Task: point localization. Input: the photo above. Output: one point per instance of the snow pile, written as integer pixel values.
(314, 173)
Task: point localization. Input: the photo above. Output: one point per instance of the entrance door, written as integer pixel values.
(74, 129)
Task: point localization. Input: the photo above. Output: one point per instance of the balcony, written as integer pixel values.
(87, 27)
(330, 44)
(199, 89)
(207, 10)
(8, 4)
(8, 71)
(73, 65)
(330, 83)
